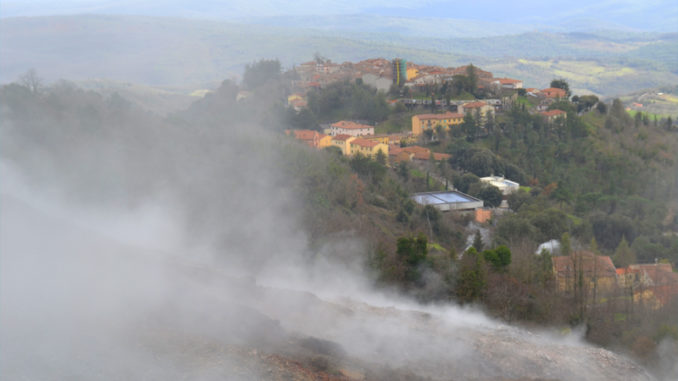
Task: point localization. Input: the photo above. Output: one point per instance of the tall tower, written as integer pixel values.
(399, 71)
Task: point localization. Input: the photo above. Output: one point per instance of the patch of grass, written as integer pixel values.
(525, 101)
(650, 115)
(436, 246)
(575, 220)
(395, 124)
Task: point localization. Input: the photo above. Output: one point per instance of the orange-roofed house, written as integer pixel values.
(343, 142)
(652, 284)
(479, 110)
(597, 272)
(397, 155)
(350, 128)
(368, 148)
(508, 83)
(553, 93)
(552, 115)
(441, 156)
(422, 122)
(309, 137)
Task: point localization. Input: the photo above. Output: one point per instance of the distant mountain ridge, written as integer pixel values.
(575, 15)
(200, 53)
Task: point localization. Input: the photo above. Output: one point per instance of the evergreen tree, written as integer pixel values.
(472, 281)
(565, 244)
(623, 255)
(561, 84)
(381, 157)
(469, 126)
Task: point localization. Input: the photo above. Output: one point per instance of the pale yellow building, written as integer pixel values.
(368, 148)
(324, 141)
(378, 138)
(343, 142)
(411, 73)
(479, 110)
(423, 122)
(584, 269)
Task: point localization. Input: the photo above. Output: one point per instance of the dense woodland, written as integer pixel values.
(601, 180)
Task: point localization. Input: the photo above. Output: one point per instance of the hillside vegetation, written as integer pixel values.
(603, 181)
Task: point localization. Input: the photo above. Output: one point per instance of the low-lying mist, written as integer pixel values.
(136, 247)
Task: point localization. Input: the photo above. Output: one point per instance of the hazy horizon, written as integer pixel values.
(649, 16)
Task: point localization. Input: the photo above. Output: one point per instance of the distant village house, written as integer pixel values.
(350, 128)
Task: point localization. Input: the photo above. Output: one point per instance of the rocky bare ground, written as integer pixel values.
(97, 309)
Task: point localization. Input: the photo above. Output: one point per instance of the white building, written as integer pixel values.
(350, 128)
(446, 201)
(505, 186)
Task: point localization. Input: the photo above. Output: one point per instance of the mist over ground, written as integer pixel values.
(135, 246)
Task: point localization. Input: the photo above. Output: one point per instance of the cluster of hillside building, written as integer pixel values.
(382, 73)
(351, 137)
(583, 272)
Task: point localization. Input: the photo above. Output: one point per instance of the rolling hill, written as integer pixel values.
(195, 53)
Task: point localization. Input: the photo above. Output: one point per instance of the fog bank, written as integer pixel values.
(146, 248)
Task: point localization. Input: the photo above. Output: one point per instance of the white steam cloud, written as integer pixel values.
(153, 252)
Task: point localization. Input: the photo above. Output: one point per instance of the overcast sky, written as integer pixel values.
(640, 14)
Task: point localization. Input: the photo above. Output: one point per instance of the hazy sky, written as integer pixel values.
(647, 15)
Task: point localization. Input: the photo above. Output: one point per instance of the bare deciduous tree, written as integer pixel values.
(31, 81)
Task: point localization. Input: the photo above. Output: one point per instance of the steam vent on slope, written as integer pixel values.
(103, 309)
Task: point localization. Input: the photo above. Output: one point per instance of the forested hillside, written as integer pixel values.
(600, 180)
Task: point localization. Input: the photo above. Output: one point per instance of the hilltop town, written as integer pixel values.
(544, 207)
(473, 138)
(446, 92)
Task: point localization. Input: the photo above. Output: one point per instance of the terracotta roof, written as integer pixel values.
(551, 113)
(663, 281)
(602, 265)
(350, 125)
(364, 143)
(415, 149)
(342, 137)
(305, 134)
(419, 155)
(474, 105)
(659, 273)
(554, 92)
(447, 115)
(508, 81)
(441, 156)
(394, 151)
